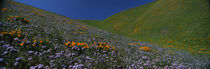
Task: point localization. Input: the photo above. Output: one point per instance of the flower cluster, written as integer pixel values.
(6, 10)
(104, 46)
(11, 34)
(145, 48)
(78, 44)
(17, 18)
(19, 39)
(99, 45)
(83, 27)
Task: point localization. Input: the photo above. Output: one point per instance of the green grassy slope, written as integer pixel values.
(182, 24)
(34, 38)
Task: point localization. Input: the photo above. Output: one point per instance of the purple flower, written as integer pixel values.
(28, 42)
(1, 59)
(40, 66)
(33, 67)
(44, 46)
(18, 58)
(30, 52)
(16, 63)
(55, 47)
(40, 54)
(6, 45)
(52, 61)
(51, 56)
(5, 52)
(49, 50)
(29, 58)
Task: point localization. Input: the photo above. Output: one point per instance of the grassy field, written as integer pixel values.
(34, 38)
(178, 24)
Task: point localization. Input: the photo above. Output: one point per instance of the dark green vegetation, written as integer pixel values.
(33, 38)
(179, 24)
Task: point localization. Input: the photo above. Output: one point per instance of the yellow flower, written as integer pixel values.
(47, 40)
(8, 18)
(113, 48)
(86, 47)
(21, 44)
(13, 31)
(16, 16)
(100, 46)
(34, 41)
(104, 43)
(66, 44)
(69, 42)
(73, 43)
(2, 33)
(78, 43)
(145, 48)
(18, 35)
(106, 47)
(82, 44)
(85, 44)
(40, 41)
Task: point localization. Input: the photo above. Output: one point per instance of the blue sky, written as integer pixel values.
(85, 9)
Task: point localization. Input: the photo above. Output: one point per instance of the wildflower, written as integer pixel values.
(16, 63)
(100, 46)
(24, 40)
(15, 38)
(33, 67)
(47, 40)
(18, 35)
(30, 52)
(18, 58)
(104, 43)
(34, 41)
(106, 47)
(145, 48)
(78, 43)
(44, 46)
(86, 47)
(8, 18)
(40, 41)
(29, 58)
(73, 43)
(1, 59)
(82, 44)
(67, 44)
(21, 44)
(113, 48)
(34, 44)
(16, 16)
(40, 66)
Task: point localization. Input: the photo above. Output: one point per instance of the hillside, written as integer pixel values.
(34, 38)
(177, 24)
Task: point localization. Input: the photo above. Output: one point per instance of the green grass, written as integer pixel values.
(179, 24)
